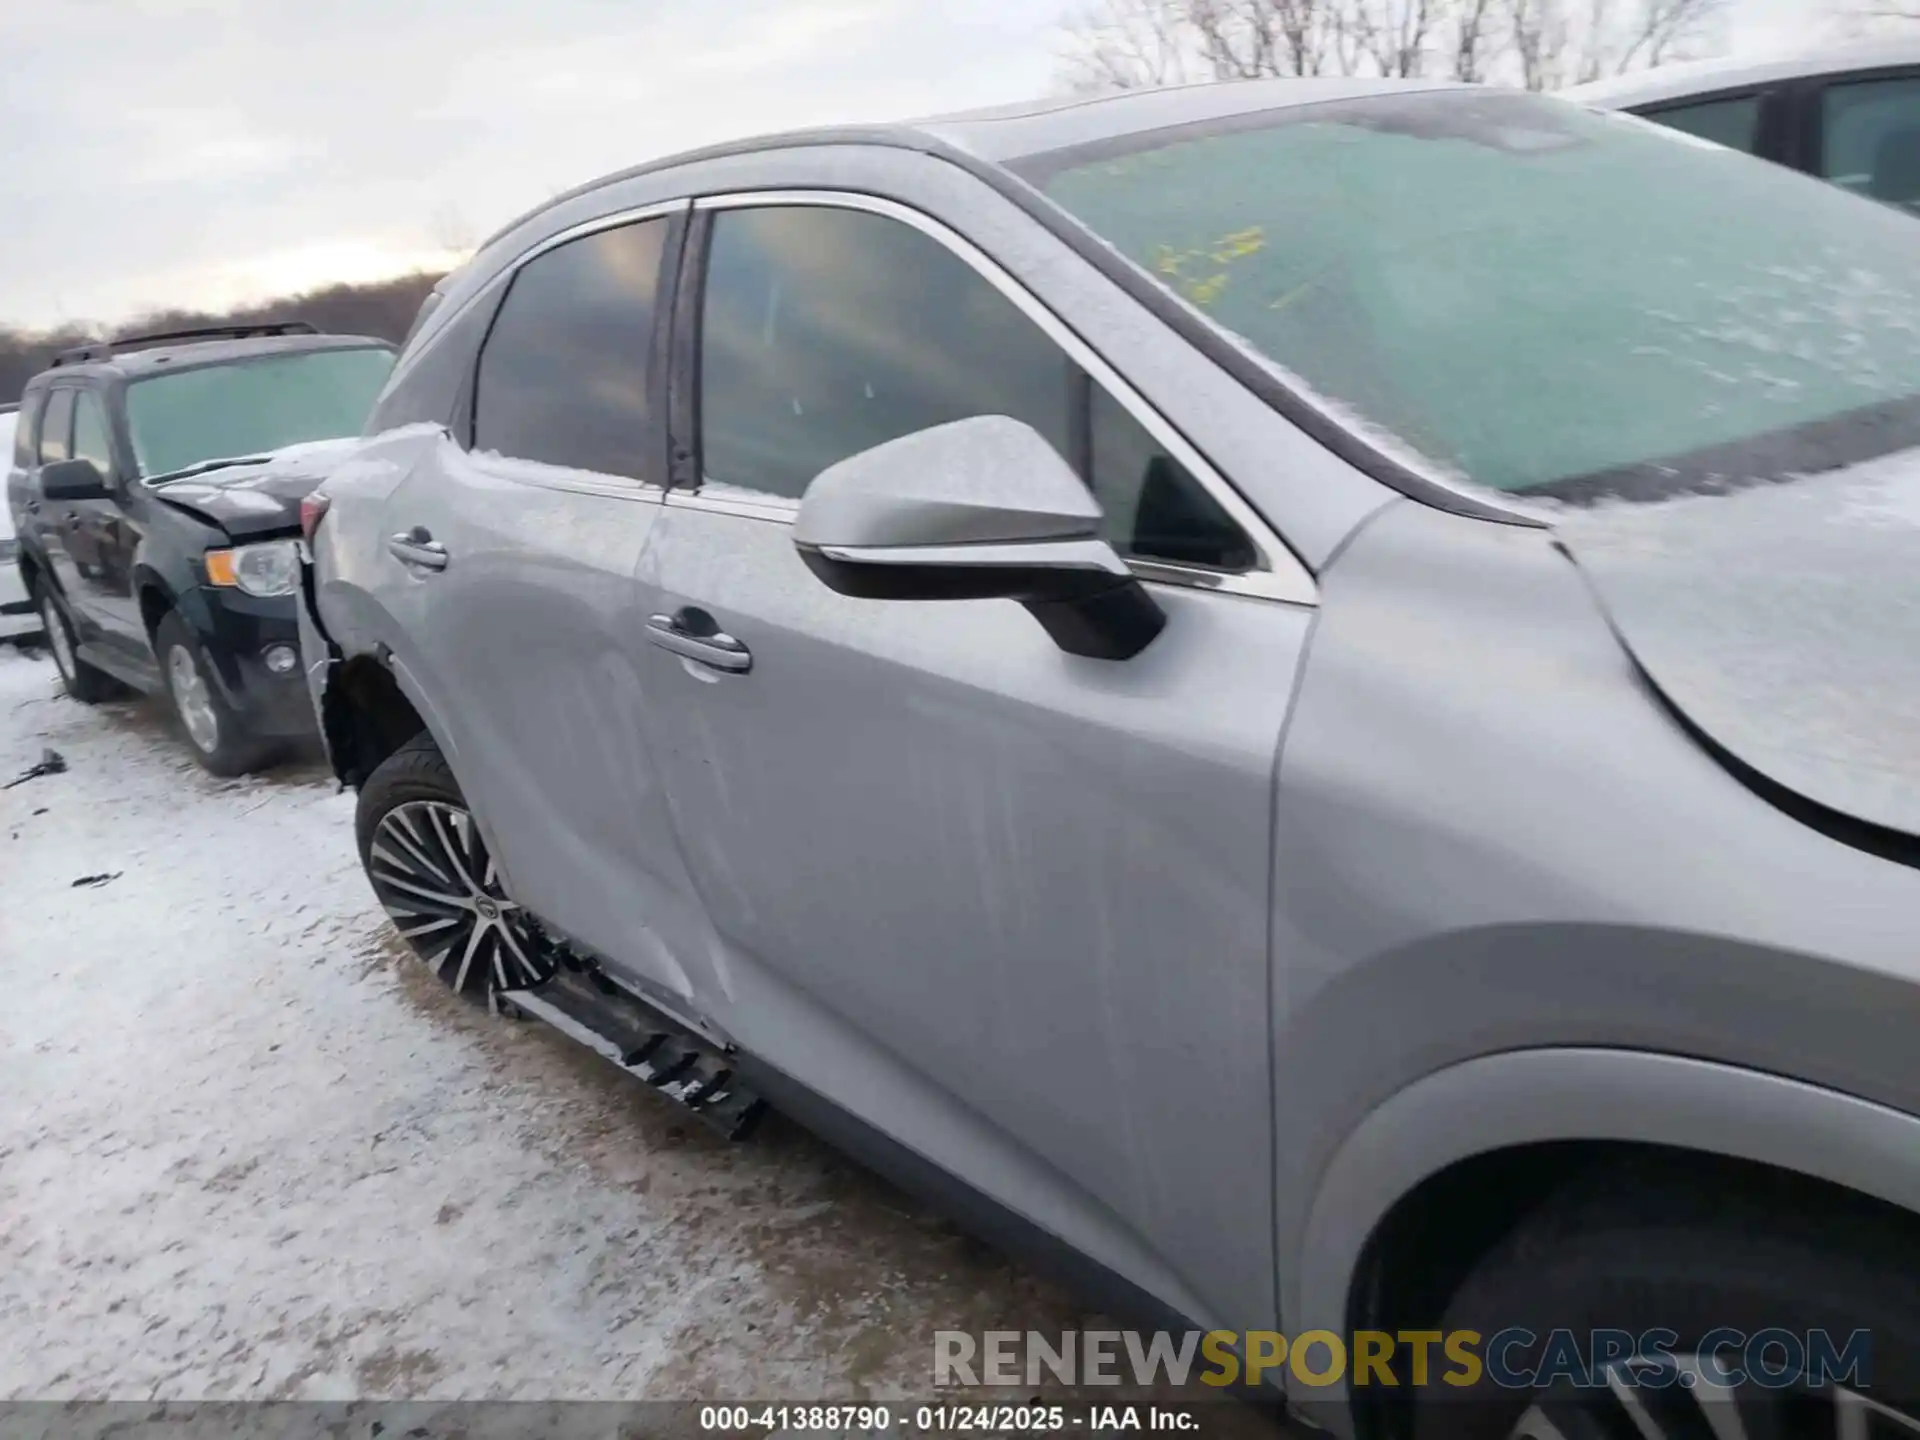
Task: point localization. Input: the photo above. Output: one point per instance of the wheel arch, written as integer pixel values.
(1520, 1120)
(370, 706)
(34, 571)
(154, 596)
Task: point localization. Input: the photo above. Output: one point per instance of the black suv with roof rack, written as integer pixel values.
(155, 485)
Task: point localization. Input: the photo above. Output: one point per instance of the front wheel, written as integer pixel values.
(438, 882)
(1663, 1302)
(220, 739)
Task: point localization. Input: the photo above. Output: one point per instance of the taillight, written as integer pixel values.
(311, 509)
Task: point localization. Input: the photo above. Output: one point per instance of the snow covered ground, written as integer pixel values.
(248, 1150)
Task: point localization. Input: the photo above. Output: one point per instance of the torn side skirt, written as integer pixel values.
(584, 1004)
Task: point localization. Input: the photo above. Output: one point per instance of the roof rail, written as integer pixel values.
(81, 354)
(106, 349)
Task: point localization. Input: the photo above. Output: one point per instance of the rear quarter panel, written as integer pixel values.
(349, 555)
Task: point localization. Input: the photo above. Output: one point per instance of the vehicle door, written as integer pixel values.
(104, 534)
(1862, 132)
(58, 521)
(1007, 903)
(510, 576)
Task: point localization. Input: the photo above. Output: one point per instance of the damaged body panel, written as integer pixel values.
(1331, 773)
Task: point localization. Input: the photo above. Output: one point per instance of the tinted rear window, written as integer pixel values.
(564, 377)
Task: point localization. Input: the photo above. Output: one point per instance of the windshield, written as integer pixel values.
(1536, 297)
(250, 407)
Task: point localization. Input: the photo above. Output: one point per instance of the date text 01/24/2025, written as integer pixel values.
(944, 1419)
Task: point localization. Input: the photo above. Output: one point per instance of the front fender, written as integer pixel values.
(1530, 1096)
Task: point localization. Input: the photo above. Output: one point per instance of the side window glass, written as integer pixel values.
(1872, 130)
(26, 432)
(1733, 123)
(564, 374)
(56, 427)
(90, 440)
(827, 332)
(1155, 509)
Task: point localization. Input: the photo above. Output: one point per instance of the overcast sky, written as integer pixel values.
(155, 152)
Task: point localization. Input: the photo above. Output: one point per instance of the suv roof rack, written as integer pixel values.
(107, 349)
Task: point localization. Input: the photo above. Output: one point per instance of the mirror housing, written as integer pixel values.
(72, 480)
(978, 509)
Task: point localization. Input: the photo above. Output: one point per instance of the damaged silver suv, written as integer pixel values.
(1299, 697)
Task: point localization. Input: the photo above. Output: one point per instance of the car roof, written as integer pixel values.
(1706, 77)
(1007, 133)
(133, 364)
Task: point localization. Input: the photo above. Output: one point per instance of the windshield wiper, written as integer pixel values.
(203, 467)
(1812, 447)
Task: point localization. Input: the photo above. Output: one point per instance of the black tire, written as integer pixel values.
(1689, 1251)
(435, 879)
(229, 748)
(84, 682)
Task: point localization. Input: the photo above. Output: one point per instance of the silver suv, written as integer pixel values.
(1298, 696)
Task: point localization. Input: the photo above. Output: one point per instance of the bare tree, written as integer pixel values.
(450, 229)
(1394, 34)
(1542, 44)
(1539, 34)
(1470, 35)
(1555, 42)
(1122, 44)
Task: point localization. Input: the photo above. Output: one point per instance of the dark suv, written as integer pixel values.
(155, 485)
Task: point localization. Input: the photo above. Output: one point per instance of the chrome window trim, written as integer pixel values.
(505, 468)
(1281, 574)
(655, 210)
(644, 490)
(779, 509)
(624, 488)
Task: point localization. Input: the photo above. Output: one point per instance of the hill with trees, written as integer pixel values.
(384, 309)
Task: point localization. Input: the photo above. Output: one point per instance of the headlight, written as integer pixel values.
(269, 569)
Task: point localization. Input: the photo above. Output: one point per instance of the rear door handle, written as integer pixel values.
(416, 547)
(718, 649)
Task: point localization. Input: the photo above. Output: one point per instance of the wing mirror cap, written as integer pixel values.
(72, 480)
(978, 509)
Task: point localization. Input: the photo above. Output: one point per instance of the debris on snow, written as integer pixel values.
(52, 762)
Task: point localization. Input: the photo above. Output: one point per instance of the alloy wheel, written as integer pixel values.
(431, 870)
(1679, 1398)
(57, 638)
(193, 699)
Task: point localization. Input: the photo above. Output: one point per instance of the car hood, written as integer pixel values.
(1782, 621)
(258, 497)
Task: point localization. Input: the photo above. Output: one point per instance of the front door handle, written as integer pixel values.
(715, 648)
(416, 547)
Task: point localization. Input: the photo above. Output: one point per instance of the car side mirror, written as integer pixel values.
(977, 509)
(73, 480)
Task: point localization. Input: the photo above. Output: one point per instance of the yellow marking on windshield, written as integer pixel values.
(1203, 290)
